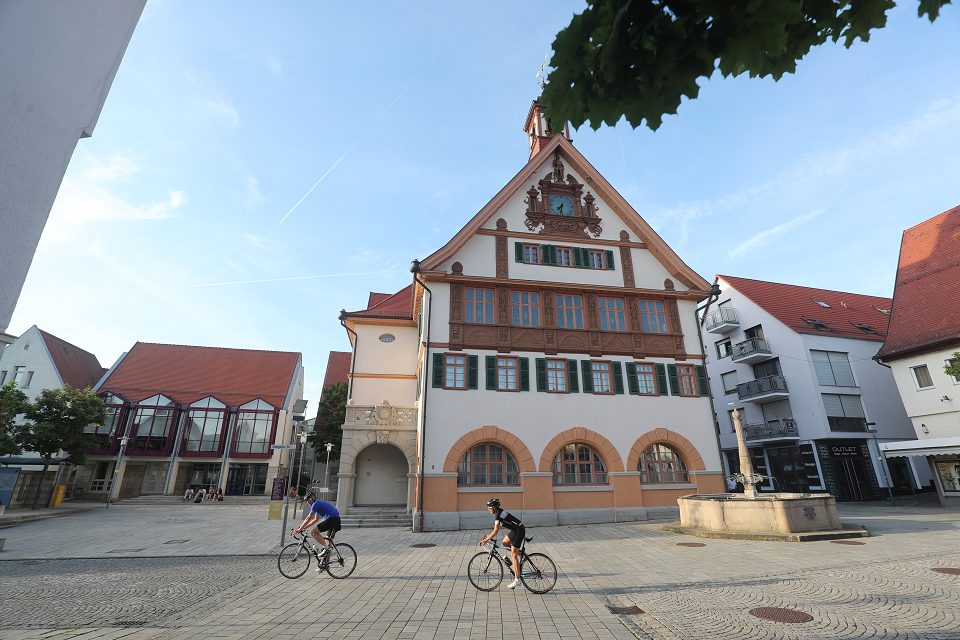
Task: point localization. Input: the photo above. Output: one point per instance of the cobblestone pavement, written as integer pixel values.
(206, 587)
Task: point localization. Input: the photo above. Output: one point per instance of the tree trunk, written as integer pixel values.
(36, 496)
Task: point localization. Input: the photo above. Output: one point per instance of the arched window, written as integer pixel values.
(255, 424)
(204, 427)
(578, 464)
(660, 463)
(153, 424)
(488, 464)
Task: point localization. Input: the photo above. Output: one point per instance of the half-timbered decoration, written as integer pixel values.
(181, 416)
(538, 357)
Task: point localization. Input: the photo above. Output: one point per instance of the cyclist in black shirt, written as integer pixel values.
(514, 537)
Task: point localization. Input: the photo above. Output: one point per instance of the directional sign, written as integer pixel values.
(283, 446)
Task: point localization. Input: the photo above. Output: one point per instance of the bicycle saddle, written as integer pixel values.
(528, 538)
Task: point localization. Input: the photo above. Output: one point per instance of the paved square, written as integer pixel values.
(209, 571)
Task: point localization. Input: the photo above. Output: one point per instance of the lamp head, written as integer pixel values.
(415, 266)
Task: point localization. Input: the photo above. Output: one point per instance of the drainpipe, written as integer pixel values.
(714, 295)
(353, 361)
(415, 270)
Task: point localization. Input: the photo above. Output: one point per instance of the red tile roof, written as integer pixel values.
(398, 305)
(78, 368)
(187, 374)
(790, 304)
(926, 298)
(338, 368)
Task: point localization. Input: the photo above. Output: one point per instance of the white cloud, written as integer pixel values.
(221, 110)
(253, 192)
(766, 237)
(87, 197)
(275, 67)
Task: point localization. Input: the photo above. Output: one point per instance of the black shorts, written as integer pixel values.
(331, 524)
(516, 537)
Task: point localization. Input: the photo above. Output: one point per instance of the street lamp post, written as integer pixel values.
(116, 469)
(326, 474)
(883, 458)
(303, 447)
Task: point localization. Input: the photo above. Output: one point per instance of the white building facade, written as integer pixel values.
(923, 338)
(546, 355)
(797, 363)
(57, 63)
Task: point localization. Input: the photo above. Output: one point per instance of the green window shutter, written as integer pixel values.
(549, 253)
(572, 383)
(587, 376)
(541, 374)
(585, 256)
(661, 379)
(674, 375)
(418, 386)
(702, 380)
(577, 262)
(473, 363)
(518, 249)
(524, 374)
(420, 324)
(632, 383)
(553, 254)
(611, 265)
(491, 373)
(617, 378)
(438, 370)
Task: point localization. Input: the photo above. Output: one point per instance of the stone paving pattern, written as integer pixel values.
(71, 578)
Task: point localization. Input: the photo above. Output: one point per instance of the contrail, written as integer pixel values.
(328, 275)
(380, 117)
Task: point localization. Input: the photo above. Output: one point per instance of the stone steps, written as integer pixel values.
(376, 517)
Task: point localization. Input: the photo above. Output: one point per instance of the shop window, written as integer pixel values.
(206, 420)
(255, 424)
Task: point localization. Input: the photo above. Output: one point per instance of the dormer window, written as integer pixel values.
(817, 324)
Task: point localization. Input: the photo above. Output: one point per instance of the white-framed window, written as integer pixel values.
(950, 362)
(387, 337)
(724, 349)
(3, 377)
(18, 373)
(26, 384)
(921, 377)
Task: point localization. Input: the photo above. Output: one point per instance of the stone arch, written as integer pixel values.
(360, 439)
(688, 452)
(581, 435)
(489, 433)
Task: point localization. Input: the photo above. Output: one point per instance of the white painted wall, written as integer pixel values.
(385, 359)
(57, 63)
(30, 351)
(927, 406)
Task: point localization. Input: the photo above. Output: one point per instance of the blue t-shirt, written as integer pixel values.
(324, 510)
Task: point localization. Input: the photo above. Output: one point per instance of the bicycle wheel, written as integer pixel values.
(294, 560)
(485, 571)
(538, 573)
(342, 561)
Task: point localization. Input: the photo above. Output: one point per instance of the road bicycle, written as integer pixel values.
(538, 573)
(294, 559)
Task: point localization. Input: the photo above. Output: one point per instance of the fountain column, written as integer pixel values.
(746, 465)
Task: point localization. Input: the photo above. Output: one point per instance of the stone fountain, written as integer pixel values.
(792, 517)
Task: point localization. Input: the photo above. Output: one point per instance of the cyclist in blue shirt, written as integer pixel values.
(514, 537)
(328, 518)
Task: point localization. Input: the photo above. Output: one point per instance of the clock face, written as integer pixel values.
(561, 205)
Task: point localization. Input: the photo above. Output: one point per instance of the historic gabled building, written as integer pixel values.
(924, 335)
(182, 416)
(546, 355)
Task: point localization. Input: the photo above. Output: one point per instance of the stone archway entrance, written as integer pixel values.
(381, 476)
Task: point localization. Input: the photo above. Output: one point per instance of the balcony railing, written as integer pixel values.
(770, 388)
(721, 321)
(771, 429)
(750, 351)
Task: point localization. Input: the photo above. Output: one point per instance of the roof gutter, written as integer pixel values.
(415, 270)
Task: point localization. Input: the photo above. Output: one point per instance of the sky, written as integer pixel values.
(189, 218)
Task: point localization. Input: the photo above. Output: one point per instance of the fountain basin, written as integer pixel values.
(792, 517)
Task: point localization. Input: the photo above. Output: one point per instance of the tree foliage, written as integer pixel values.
(13, 402)
(953, 368)
(332, 412)
(638, 58)
(56, 421)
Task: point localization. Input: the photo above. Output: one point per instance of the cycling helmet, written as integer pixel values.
(310, 496)
(493, 502)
